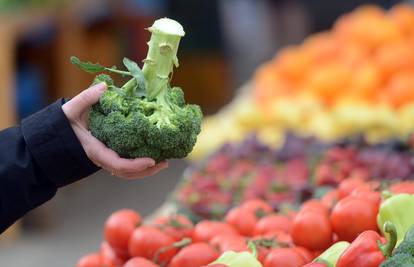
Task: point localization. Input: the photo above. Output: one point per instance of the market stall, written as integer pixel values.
(310, 165)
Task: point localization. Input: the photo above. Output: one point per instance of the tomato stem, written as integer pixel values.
(179, 244)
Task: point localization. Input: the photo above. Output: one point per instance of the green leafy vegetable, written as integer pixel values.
(146, 117)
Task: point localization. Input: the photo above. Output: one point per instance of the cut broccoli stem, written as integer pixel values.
(162, 55)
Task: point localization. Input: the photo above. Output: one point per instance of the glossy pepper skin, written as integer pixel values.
(331, 255)
(398, 209)
(239, 259)
(368, 250)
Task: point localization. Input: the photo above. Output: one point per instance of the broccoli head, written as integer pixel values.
(146, 117)
(400, 260)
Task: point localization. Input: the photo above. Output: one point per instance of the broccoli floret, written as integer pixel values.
(406, 247)
(400, 260)
(146, 117)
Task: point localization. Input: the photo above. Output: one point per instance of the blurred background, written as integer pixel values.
(225, 43)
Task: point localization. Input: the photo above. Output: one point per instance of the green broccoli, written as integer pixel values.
(146, 117)
(400, 260)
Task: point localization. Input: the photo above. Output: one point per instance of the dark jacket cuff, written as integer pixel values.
(55, 147)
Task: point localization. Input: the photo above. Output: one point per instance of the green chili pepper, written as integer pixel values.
(398, 209)
(331, 255)
(240, 259)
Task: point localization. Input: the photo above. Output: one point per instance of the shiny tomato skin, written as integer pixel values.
(243, 220)
(362, 214)
(140, 262)
(283, 257)
(271, 223)
(305, 253)
(176, 226)
(90, 260)
(279, 236)
(366, 193)
(109, 256)
(403, 187)
(194, 255)
(146, 241)
(204, 231)
(346, 187)
(118, 229)
(312, 230)
(330, 199)
(228, 242)
(315, 206)
(257, 205)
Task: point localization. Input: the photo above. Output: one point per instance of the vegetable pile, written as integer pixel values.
(356, 78)
(146, 117)
(358, 223)
(300, 169)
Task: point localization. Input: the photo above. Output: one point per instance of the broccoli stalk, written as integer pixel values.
(162, 55)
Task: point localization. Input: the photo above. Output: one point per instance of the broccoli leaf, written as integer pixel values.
(138, 75)
(103, 78)
(87, 66)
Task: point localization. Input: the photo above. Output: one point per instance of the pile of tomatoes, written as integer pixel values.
(289, 238)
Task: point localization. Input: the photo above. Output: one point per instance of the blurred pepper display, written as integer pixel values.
(356, 78)
(299, 169)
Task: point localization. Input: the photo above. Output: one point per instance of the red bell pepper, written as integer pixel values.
(369, 249)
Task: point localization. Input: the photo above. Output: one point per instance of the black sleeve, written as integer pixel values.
(36, 158)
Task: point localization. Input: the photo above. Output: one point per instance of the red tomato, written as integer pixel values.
(243, 220)
(140, 262)
(330, 199)
(312, 230)
(90, 260)
(109, 256)
(346, 187)
(194, 255)
(279, 236)
(284, 257)
(365, 192)
(306, 254)
(204, 231)
(227, 242)
(176, 226)
(362, 214)
(403, 187)
(147, 241)
(118, 229)
(272, 223)
(257, 205)
(264, 246)
(314, 205)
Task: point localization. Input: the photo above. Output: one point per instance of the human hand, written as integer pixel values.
(76, 110)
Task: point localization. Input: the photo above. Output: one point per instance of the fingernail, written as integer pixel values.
(100, 86)
(151, 162)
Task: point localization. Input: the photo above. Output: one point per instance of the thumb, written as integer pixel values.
(86, 98)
